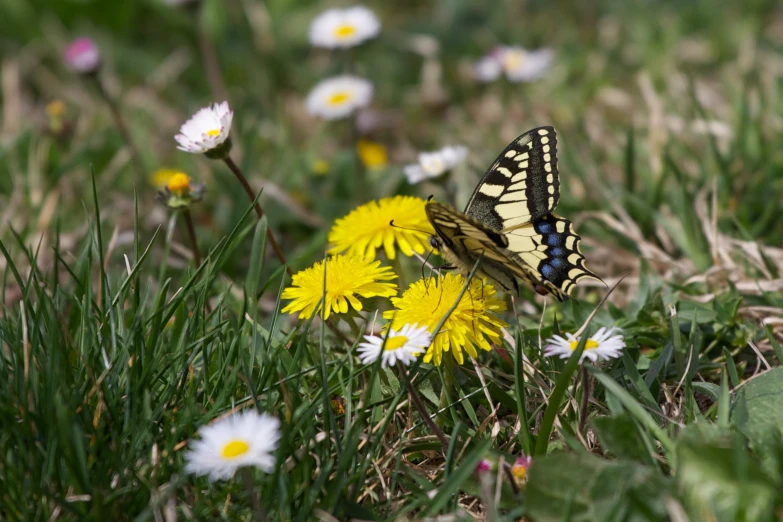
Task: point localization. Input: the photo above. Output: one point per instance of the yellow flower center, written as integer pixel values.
(55, 109)
(588, 346)
(344, 31)
(214, 132)
(338, 98)
(519, 472)
(235, 448)
(179, 183)
(513, 60)
(395, 343)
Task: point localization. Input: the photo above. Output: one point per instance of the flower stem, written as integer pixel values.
(119, 122)
(422, 409)
(259, 212)
(247, 478)
(192, 236)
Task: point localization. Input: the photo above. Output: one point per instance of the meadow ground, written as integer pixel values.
(130, 359)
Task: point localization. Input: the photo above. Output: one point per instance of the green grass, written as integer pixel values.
(116, 349)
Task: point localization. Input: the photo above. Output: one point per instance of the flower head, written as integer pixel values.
(605, 344)
(471, 324)
(346, 277)
(403, 345)
(518, 64)
(485, 466)
(519, 470)
(342, 28)
(320, 167)
(55, 108)
(161, 177)
(433, 164)
(55, 112)
(82, 56)
(241, 439)
(368, 228)
(207, 132)
(338, 97)
(372, 155)
(179, 191)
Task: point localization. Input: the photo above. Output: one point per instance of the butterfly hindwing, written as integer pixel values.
(521, 185)
(547, 252)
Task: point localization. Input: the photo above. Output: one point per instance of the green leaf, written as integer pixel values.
(757, 411)
(594, 489)
(719, 479)
(620, 436)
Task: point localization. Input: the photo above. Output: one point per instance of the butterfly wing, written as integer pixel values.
(462, 240)
(547, 255)
(516, 197)
(521, 185)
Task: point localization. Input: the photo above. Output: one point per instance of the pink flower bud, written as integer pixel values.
(82, 56)
(484, 466)
(523, 461)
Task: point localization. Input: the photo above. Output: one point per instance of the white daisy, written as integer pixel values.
(344, 27)
(241, 439)
(403, 346)
(487, 69)
(605, 344)
(433, 164)
(518, 64)
(521, 65)
(207, 130)
(339, 97)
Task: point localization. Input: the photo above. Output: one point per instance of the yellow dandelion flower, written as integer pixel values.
(372, 155)
(346, 277)
(367, 228)
(471, 324)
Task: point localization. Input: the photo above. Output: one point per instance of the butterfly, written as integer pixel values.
(509, 223)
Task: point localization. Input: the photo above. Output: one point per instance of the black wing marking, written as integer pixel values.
(521, 185)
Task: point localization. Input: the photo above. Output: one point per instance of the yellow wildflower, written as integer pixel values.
(471, 324)
(368, 227)
(373, 155)
(346, 277)
(320, 167)
(161, 177)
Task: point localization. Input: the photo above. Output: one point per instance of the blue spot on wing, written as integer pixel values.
(557, 262)
(547, 270)
(544, 228)
(557, 252)
(554, 240)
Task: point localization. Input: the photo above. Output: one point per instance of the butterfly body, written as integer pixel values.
(509, 222)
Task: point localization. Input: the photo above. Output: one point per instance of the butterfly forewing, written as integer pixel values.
(462, 240)
(521, 185)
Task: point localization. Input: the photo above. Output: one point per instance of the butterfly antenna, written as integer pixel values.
(427, 232)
